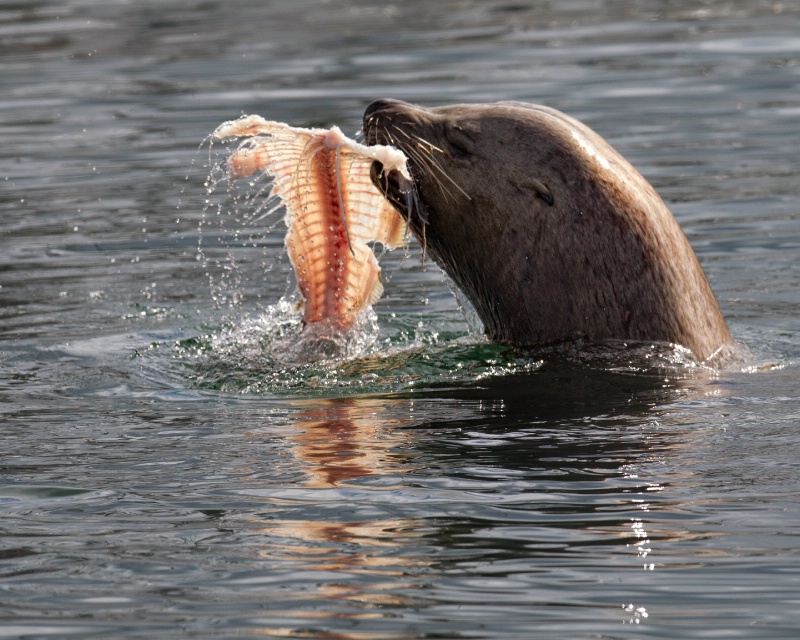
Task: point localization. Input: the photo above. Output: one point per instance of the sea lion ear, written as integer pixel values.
(538, 187)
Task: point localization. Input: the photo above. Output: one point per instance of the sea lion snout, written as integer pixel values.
(393, 122)
(383, 105)
(398, 124)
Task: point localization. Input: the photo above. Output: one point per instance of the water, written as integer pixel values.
(162, 475)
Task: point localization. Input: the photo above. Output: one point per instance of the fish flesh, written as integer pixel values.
(333, 210)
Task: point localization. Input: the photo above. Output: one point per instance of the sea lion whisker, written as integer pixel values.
(371, 126)
(434, 167)
(419, 153)
(427, 146)
(373, 123)
(412, 200)
(429, 166)
(399, 131)
(388, 130)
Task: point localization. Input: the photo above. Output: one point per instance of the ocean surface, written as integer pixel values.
(165, 470)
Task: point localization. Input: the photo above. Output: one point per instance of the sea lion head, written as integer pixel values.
(550, 232)
(447, 148)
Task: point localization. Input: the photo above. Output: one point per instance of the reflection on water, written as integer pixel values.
(163, 475)
(517, 494)
(348, 438)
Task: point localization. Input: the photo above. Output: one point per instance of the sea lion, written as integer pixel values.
(550, 232)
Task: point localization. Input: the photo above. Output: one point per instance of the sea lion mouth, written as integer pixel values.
(397, 189)
(394, 187)
(402, 194)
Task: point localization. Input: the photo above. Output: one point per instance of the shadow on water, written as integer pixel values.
(563, 416)
(557, 393)
(416, 495)
(563, 422)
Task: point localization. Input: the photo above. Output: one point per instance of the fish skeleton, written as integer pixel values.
(332, 209)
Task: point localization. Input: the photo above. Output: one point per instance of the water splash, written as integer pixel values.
(270, 353)
(236, 234)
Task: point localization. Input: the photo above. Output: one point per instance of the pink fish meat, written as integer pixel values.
(332, 209)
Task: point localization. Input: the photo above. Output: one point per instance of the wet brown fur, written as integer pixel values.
(550, 233)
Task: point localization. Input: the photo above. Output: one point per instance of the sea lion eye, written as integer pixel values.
(460, 141)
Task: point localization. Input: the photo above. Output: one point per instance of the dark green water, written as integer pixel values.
(164, 474)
